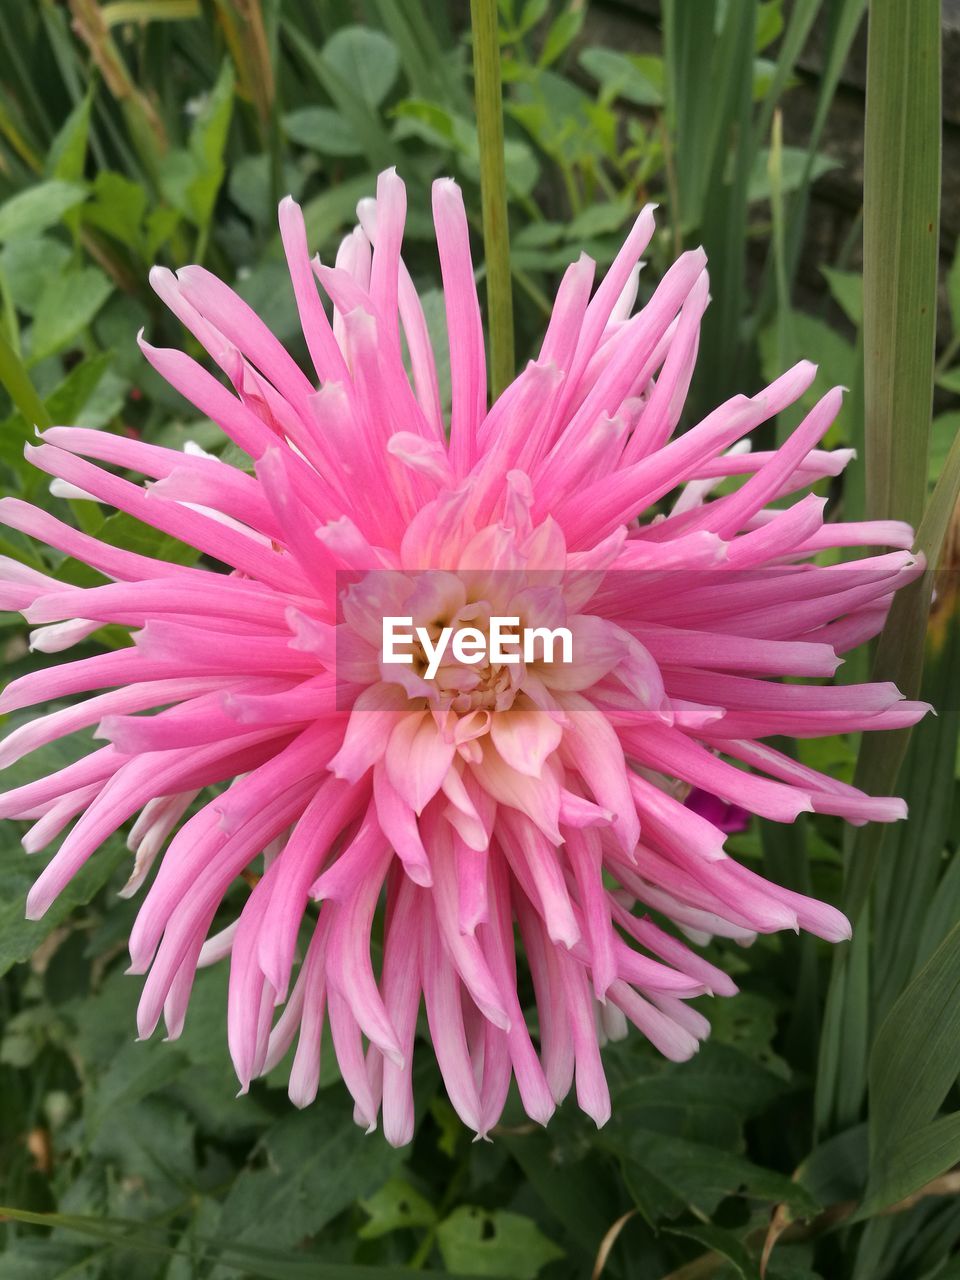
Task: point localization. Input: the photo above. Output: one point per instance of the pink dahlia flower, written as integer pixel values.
(731, 818)
(284, 751)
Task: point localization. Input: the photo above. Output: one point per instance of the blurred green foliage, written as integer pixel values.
(142, 131)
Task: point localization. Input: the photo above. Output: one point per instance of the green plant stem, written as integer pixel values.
(493, 190)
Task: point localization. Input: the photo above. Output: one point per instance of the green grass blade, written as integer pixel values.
(688, 34)
(152, 1238)
(900, 249)
(16, 382)
(912, 1066)
(845, 19)
(493, 191)
(902, 189)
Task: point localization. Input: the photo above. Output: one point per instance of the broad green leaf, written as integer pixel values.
(41, 1258)
(913, 1063)
(38, 207)
(531, 13)
(350, 88)
(266, 1263)
(620, 76)
(478, 1242)
(122, 530)
(67, 305)
(943, 432)
(599, 219)
(846, 289)
(574, 1181)
(323, 130)
(251, 188)
(835, 357)
(117, 207)
(909, 877)
(19, 937)
(191, 177)
(366, 59)
(950, 380)
(28, 263)
(431, 121)
(136, 1072)
(397, 1205)
(563, 31)
(314, 1164)
(722, 1242)
(909, 1163)
(836, 1170)
(434, 124)
(769, 23)
(794, 171)
(703, 1175)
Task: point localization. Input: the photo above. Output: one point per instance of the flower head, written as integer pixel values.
(487, 796)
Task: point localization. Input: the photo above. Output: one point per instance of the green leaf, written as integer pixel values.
(18, 386)
(122, 530)
(846, 289)
(723, 1242)
(563, 31)
(135, 1072)
(191, 178)
(835, 363)
(945, 429)
(836, 1170)
(624, 75)
(208, 140)
(117, 207)
(19, 937)
(67, 305)
(27, 264)
(953, 290)
(64, 404)
(327, 214)
(482, 1243)
(395, 1206)
(576, 1186)
(314, 1164)
(270, 1263)
(323, 130)
(950, 381)
(38, 207)
(366, 59)
(769, 24)
(900, 251)
(702, 1175)
(911, 1162)
(913, 1063)
(68, 151)
(347, 87)
(794, 172)
(599, 219)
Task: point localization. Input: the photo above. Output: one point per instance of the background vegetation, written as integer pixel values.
(815, 1134)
